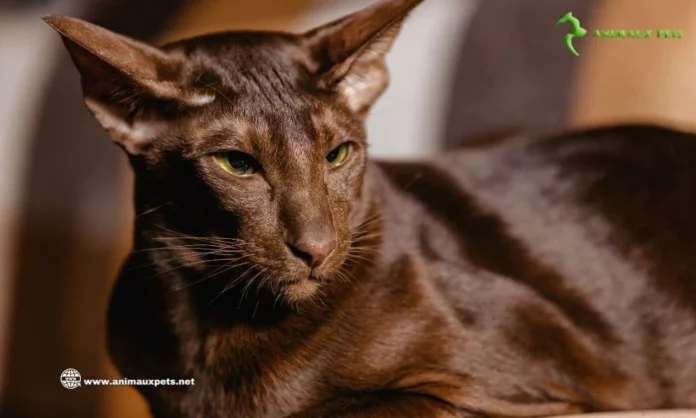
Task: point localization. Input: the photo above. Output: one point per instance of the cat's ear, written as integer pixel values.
(128, 85)
(350, 52)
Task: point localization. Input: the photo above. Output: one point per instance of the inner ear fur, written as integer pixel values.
(128, 85)
(350, 52)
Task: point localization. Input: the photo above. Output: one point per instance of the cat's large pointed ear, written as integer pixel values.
(350, 52)
(128, 85)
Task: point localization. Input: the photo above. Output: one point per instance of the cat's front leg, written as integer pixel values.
(395, 404)
(385, 405)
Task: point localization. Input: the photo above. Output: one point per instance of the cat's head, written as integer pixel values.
(259, 136)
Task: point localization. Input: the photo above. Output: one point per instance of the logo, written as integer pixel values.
(578, 31)
(70, 379)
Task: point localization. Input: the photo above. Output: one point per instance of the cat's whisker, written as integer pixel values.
(364, 250)
(180, 235)
(159, 273)
(165, 245)
(171, 231)
(197, 263)
(200, 249)
(229, 285)
(363, 243)
(217, 272)
(368, 226)
(233, 282)
(253, 315)
(357, 245)
(350, 278)
(322, 297)
(265, 280)
(355, 257)
(366, 257)
(152, 210)
(343, 276)
(203, 251)
(179, 258)
(368, 222)
(239, 258)
(276, 300)
(218, 251)
(364, 232)
(246, 288)
(219, 240)
(366, 235)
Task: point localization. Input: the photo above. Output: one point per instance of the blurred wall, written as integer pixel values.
(513, 71)
(646, 80)
(24, 73)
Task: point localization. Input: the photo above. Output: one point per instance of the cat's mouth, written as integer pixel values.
(291, 278)
(299, 290)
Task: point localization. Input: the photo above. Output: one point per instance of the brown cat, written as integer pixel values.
(292, 277)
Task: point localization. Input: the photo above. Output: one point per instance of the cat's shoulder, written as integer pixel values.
(649, 154)
(632, 175)
(638, 180)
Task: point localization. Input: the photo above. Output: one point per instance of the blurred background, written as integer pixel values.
(461, 69)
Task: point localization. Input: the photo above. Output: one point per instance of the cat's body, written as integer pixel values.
(291, 277)
(522, 278)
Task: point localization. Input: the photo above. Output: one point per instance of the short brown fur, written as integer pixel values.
(518, 278)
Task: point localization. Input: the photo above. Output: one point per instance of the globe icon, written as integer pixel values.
(70, 378)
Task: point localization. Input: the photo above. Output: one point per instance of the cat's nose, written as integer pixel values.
(313, 249)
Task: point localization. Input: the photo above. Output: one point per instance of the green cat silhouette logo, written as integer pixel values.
(578, 31)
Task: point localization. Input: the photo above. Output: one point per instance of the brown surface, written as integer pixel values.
(647, 414)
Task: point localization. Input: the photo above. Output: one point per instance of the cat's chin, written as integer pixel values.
(300, 291)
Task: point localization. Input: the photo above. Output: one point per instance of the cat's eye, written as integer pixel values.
(237, 163)
(339, 155)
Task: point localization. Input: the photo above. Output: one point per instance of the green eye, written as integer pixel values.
(236, 163)
(339, 155)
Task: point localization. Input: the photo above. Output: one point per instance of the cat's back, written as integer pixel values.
(630, 187)
(598, 223)
(629, 190)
